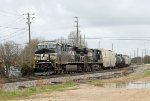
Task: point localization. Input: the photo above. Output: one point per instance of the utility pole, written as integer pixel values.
(80, 40)
(134, 57)
(145, 56)
(29, 28)
(112, 47)
(99, 44)
(77, 26)
(29, 25)
(142, 56)
(137, 55)
(130, 54)
(84, 40)
(134, 53)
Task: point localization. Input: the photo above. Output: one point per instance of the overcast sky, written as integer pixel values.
(106, 19)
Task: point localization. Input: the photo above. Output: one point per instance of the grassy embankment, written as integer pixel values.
(147, 73)
(22, 93)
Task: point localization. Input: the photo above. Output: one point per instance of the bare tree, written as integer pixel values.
(27, 54)
(72, 39)
(9, 54)
(61, 40)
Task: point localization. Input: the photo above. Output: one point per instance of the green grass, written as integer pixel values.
(147, 73)
(9, 95)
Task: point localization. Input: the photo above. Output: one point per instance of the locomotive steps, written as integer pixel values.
(62, 78)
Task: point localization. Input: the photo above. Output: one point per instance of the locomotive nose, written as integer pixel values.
(44, 51)
(53, 56)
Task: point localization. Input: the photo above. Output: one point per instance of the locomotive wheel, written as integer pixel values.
(58, 71)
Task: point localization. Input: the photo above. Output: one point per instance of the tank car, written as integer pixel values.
(118, 60)
(126, 60)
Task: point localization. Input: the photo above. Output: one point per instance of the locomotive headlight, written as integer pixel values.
(36, 57)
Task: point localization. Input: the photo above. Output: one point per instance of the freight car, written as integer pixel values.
(55, 58)
(119, 61)
(125, 60)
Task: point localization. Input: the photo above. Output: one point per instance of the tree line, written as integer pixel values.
(12, 53)
(140, 60)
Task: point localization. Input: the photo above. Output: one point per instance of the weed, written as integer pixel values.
(20, 93)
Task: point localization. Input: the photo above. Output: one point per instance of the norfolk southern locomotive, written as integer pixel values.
(55, 58)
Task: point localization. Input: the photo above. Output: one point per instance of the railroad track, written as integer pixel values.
(46, 80)
(29, 78)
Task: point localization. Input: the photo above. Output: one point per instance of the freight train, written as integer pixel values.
(55, 58)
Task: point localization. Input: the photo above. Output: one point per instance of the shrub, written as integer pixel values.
(26, 70)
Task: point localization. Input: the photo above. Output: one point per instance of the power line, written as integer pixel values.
(117, 38)
(13, 35)
(7, 32)
(134, 39)
(6, 13)
(15, 21)
(3, 28)
(12, 27)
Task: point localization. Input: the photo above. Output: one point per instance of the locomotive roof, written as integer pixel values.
(54, 42)
(46, 42)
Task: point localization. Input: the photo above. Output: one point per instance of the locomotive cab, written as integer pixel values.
(46, 52)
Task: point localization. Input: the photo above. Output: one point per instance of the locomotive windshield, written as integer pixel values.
(46, 46)
(41, 47)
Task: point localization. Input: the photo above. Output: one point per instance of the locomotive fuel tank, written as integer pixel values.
(71, 68)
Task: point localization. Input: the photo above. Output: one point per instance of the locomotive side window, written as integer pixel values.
(64, 48)
(52, 46)
(99, 55)
(59, 49)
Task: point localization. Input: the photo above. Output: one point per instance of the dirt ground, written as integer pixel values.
(89, 92)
